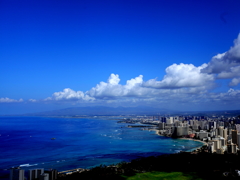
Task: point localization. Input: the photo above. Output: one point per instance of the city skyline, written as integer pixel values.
(166, 54)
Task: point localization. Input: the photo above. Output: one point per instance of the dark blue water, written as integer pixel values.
(79, 143)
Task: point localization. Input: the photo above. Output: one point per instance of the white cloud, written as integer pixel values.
(189, 90)
(182, 84)
(32, 100)
(190, 85)
(8, 100)
(230, 97)
(113, 79)
(234, 82)
(182, 76)
(69, 94)
(226, 65)
(112, 88)
(231, 73)
(232, 92)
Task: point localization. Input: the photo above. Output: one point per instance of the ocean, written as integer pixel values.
(68, 143)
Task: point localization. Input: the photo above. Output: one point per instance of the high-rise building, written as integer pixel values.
(225, 133)
(195, 127)
(234, 136)
(207, 127)
(211, 147)
(44, 176)
(221, 123)
(184, 124)
(238, 140)
(220, 151)
(191, 122)
(220, 131)
(177, 123)
(202, 124)
(196, 122)
(203, 134)
(223, 141)
(180, 131)
(161, 126)
(218, 141)
(35, 173)
(16, 174)
(52, 174)
(212, 124)
(164, 119)
(231, 148)
(238, 128)
(216, 132)
(216, 144)
(169, 120)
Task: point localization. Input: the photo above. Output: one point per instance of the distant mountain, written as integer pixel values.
(225, 113)
(102, 110)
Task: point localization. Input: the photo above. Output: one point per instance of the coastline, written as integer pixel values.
(190, 150)
(58, 139)
(156, 131)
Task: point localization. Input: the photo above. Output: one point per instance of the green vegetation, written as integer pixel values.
(164, 176)
(185, 166)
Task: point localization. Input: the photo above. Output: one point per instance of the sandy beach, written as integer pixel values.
(204, 143)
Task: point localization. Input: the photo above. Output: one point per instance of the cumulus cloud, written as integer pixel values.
(232, 96)
(69, 94)
(106, 89)
(232, 92)
(182, 83)
(114, 79)
(182, 76)
(112, 88)
(8, 100)
(234, 82)
(231, 73)
(226, 65)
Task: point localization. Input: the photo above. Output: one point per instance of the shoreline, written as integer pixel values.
(156, 131)
(190, 150)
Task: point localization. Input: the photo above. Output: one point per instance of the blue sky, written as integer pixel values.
(57, 54)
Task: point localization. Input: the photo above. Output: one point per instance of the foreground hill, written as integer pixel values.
(194, 166)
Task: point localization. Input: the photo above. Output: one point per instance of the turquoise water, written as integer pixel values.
(79, 143)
